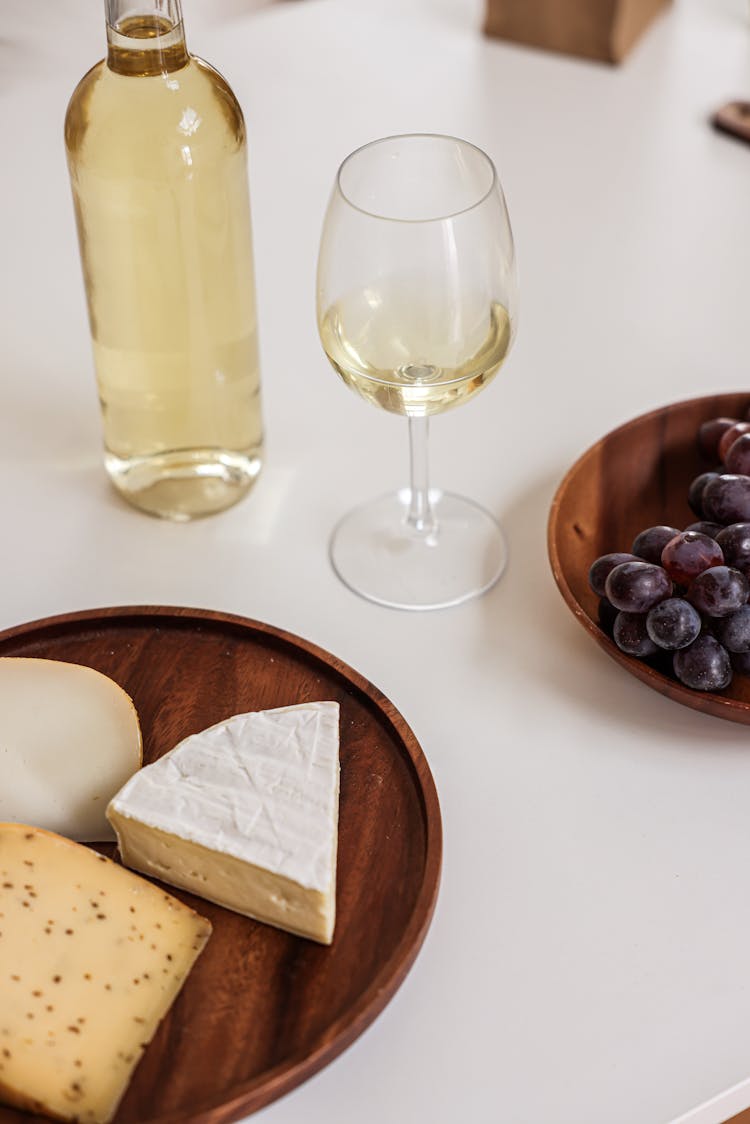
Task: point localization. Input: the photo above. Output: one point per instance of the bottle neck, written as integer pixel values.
(145, 37)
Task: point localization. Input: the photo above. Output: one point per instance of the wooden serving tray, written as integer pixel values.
(635, 477)
(263, 1010)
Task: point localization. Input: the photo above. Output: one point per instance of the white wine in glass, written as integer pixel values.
(416, 302)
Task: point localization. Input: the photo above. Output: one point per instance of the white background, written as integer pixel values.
(588, 962)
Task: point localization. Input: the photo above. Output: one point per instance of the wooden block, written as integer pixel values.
(594, 29)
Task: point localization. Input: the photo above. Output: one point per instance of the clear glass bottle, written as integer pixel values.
(158, 164)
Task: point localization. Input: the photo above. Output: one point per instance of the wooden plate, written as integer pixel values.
(263, 1010)
(636, 477)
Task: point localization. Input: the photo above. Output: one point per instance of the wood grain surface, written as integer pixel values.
(636, 477)
(262, 1010)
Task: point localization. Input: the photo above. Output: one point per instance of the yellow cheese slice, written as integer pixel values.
(69, 739)
(92, 957)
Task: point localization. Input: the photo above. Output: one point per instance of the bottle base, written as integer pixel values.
(184, 484)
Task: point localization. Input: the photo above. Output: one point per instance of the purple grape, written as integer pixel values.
(603, 567)
(733, 630)
(649, 544)
(734, 540)
(711, 432)
(740, 662)
(635, 587)
(703, 527)
(696, 490)
(688, 554)
(718, 591)
(704, 665)
(737, 458)
(726, 499)
(607, 614)
(673, 623)
(729, 436)
(630, 635)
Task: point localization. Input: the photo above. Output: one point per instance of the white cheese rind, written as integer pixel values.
(244, 813)
(69, 739)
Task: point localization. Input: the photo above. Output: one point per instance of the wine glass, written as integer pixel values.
(416, 295)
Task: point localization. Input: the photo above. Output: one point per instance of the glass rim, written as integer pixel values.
(418, 136)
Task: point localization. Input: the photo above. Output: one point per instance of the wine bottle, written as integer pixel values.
(157, 156)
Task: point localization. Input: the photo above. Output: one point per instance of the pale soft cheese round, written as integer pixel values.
(69, 739)
(262, 787)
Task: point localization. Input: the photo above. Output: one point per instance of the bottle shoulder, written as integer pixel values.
(222, 92)
(194, 104)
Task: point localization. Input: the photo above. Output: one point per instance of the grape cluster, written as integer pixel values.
(682, 595)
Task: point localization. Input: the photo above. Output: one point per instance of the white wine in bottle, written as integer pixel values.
(158, 163)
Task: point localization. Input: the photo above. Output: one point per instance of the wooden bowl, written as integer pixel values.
(636, 477)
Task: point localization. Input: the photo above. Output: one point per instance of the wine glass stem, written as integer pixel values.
(420, 516)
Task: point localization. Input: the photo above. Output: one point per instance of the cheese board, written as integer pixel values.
(263, 1010)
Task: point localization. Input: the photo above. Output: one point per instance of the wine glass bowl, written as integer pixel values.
(416, 302)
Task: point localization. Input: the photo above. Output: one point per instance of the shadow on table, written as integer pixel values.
(527, 622)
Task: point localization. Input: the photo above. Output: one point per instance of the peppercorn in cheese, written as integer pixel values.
(92, 957)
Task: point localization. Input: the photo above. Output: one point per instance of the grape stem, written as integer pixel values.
(420, 516)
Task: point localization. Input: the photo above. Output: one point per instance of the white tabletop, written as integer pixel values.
(588, 961)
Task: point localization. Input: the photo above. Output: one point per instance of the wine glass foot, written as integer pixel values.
(379, 555)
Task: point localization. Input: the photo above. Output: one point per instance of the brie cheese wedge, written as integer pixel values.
(244, 814)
